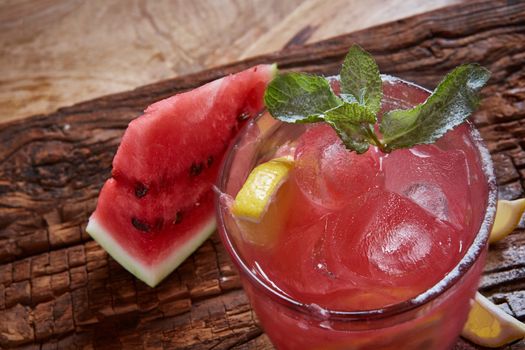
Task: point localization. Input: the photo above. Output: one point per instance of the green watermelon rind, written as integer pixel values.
(150, 275)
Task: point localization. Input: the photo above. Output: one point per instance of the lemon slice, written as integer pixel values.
(253, 199)
(490, 326)
(508, 215)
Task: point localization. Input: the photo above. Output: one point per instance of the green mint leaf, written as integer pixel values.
(360, 78)
(348, 98)
(352, 113)
(299, 98)
(353, 136)
(353, 123)
(455, 98)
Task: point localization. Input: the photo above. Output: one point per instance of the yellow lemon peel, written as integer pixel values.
(252, 201)
(508, 215)
(488, 325)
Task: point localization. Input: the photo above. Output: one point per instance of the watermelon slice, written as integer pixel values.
(158, 206)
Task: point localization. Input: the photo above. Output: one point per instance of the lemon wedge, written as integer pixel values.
(252, 201)
(490, 326)
(508, 215)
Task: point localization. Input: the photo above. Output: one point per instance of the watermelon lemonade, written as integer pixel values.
(361, 251)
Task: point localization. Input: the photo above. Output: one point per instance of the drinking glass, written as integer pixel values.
(431, 320)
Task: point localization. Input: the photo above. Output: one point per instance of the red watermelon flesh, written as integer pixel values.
(158, 206)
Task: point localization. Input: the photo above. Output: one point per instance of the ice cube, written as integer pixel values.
(467, 140)
(403, 243)
(303, 262)
(328, 173)
(295, 262)
(400, 248)
(385, 240)
(434, 179)
(429, 197)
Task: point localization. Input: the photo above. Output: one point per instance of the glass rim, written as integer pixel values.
(449, 280)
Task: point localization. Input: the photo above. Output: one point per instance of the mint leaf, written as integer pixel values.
(353, 123)
(353, 136)
(455, 98)
(352, 113)
(299, 98)
(360, 78)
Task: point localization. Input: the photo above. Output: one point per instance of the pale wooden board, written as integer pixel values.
(54, 53)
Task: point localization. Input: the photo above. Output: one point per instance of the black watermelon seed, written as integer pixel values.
(178, 218)
(210, 161)
(196, 169)
(140, 225)
(140, 190)
(159, 223)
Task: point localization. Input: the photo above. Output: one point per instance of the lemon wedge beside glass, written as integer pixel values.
(490, 326)
(487, 324)
(508, 216)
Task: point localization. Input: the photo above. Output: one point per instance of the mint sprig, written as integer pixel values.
(305, 98)
(455, 98)
(360, 79)
(353, 124)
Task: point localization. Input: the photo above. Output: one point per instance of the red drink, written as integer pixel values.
(373, 251)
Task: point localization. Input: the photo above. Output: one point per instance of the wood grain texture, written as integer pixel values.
(59, 289)
(316, 20)
(54, 53)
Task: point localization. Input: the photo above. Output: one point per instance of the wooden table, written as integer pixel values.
(54, 53)
(59, 289)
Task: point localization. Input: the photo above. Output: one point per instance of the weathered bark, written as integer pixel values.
(59, 289)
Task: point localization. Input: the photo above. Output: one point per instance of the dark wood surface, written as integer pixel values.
(59, 289)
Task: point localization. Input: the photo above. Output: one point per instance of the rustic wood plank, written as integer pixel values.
(59, 289)
(316, 20)
(165, 38)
